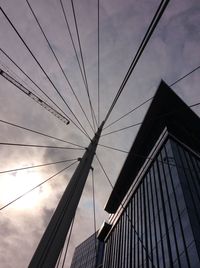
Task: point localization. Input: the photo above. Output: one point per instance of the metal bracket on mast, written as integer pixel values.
(53, 240)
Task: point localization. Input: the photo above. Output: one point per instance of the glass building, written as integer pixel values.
(155, 204)
(89, 254)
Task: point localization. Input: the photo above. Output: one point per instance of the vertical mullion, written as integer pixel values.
(118, 246)
(127, 236)
(113, 248)
(131, 232)
(139, 229)
(109, 250)
(115, 245)
(141, 216)
(145, 224)
(189, 170)
(124, 238)
(197, 170)
(134, 234)
(176, 202)
(188, 182)
(105, 256)
(154, 219)
(170, 207)
(119, 253)
(105, 261)
(164, 213)
(149, 219)
(138, 233)
(159, 220)
(121, 241)
(128, 220)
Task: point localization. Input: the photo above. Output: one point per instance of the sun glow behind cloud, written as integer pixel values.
(171, 53)
(15, 184)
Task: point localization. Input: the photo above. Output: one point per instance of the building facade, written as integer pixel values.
(89, 254)
(155, 204)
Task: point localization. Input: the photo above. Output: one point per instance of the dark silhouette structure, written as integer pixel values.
(155, 202)
(53, 239)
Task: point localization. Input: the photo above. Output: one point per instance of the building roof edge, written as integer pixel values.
(165, 110)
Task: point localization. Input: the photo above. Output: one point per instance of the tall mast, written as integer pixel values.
(53, 239)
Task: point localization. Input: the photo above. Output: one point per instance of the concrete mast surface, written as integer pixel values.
(53, 239)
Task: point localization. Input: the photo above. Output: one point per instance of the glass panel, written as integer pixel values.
(187, 228)
(193, 256)
(183, 259)
(156, 227)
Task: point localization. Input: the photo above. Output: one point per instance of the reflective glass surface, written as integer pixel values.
(160, 225)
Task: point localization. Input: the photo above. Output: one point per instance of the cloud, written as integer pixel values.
(171, 52)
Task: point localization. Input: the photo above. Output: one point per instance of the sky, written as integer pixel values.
(172, 52)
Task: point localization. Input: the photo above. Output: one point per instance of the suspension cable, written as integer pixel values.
(153, 119)
(32, 189)
(134, 109)
(196, 104)
(121, 129)
(65, 254)
(140, 156)
(184, 76)
(83, 64)
(72, 40)
(116, 149)
(94, 210)
(59, 259)
(67, 246)
(73, 44)
(38, 146)
(37, 166)
(171, 85)
(39, 133)
(42, 91)
(58, 62)
(49, 79)
(104, 171)
(139, 52)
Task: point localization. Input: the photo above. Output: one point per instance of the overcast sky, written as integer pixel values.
(172, 52)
